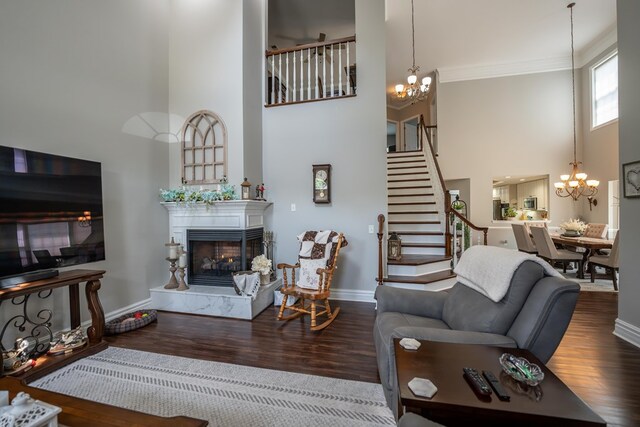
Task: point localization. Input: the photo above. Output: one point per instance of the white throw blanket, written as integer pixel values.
(489, 269)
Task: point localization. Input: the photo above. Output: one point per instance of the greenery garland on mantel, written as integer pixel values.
(207, 196)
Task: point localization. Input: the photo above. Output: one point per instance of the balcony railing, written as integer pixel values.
(311, 72)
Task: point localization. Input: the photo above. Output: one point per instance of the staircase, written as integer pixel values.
(414, 215)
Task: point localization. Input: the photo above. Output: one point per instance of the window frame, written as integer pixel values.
(592, 99)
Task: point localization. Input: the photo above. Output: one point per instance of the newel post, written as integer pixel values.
(380, 237)
(447, 232)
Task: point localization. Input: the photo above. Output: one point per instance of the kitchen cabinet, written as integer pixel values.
(538, 189)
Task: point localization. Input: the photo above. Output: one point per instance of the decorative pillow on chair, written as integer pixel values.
(309, 279)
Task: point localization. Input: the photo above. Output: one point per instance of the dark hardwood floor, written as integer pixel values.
(599, 367)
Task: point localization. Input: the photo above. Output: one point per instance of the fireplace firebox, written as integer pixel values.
(214, 255)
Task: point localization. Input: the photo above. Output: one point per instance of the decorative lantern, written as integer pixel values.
(394, 247)
(246, 190)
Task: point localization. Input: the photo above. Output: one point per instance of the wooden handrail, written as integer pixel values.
(380, 236)
(484, 230)
(269, 53)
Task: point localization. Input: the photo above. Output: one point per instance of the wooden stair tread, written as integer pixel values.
(423, 245)
(405, 167)
(423, 279)
(408, 173)
(412, 212)
(410, 195)
(408, 180)
(408, 188)
(418, 259)
(413, 222)
(420, 233)
(406, 161)
(410, 203)
(411, 156)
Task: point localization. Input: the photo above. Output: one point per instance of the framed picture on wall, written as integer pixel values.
(631, 178)
(322, 183)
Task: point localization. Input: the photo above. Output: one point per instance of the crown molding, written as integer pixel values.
(477, 72)
(599, 45)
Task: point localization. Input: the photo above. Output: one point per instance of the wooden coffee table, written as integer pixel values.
(455, 403)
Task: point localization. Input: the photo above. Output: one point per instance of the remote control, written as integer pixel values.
(497, 387)
(477, 383)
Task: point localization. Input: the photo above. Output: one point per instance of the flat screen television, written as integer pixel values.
(50, 214)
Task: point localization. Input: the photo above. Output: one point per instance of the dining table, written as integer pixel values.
(589, 244)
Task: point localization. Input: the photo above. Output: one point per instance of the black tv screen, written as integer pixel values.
(50, 212)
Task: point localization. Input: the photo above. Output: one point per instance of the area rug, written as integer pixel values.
(599, 285)
(224, 394)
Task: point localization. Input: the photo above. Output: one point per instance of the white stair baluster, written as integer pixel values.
(287, 93)
(332, 64)
(348, 71)
(294, 88)
(273, 81)
(324, 71)
(279, 78)
(308, 73)
(315, 80)
(340, 69)
(301, 77)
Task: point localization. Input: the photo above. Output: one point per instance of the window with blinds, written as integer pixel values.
(604, 91)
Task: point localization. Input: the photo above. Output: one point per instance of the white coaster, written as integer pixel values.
(422, 387)
(410, 343)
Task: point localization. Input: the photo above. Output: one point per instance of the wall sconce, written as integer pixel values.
(85, 219)
(592, 202)
(394, 247)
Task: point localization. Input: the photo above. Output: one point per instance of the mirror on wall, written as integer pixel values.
(524, 198)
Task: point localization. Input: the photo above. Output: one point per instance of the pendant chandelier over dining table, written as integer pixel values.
(414, 91)
(575, 184)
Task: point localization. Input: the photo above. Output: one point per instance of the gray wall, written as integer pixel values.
(73, 73)
(520, 125)
(350, 134)
(600, 149)
(629, 124)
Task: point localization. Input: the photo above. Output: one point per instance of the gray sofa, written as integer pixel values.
(533, 315)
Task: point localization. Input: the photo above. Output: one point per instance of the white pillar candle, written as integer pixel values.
(182, 262)
(173, 251)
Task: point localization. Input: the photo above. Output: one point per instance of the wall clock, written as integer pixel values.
(322, 183)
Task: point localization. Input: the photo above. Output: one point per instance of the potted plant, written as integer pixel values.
(511, 213)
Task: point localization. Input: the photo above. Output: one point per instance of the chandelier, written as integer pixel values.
(576, 184)
(85, 219)
(414, 91)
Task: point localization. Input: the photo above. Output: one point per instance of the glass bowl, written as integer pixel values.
(520, 369)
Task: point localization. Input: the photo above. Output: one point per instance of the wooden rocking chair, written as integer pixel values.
(309, 299)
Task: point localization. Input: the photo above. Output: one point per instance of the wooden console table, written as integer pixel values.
(72, 280)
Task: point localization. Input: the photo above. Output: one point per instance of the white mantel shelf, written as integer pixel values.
(223, 215)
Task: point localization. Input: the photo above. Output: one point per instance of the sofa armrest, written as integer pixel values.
(418, 303)
(453, 336)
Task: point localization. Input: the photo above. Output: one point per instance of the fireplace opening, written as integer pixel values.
(214, 255)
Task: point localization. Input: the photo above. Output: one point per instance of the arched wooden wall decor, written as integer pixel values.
(203, 148)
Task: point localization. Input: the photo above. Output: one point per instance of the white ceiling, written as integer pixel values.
(457, 34)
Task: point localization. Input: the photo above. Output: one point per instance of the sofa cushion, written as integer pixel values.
(468, 310)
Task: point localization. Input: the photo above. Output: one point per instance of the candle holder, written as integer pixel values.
(172, 258)
(173, 282)
(182, 285)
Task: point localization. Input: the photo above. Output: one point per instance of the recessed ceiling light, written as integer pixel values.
(521, 179)
(508, 176)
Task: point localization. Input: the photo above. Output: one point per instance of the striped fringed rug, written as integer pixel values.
(224, 394)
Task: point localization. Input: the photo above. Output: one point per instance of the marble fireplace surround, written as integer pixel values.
(214, 300)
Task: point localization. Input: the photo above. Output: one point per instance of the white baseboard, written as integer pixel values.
(136, 306)
(627, 332)
(352, 295)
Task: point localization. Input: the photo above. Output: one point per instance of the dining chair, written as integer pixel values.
(610, 262)
(596, 231)
(523, 239)
(548, 251)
